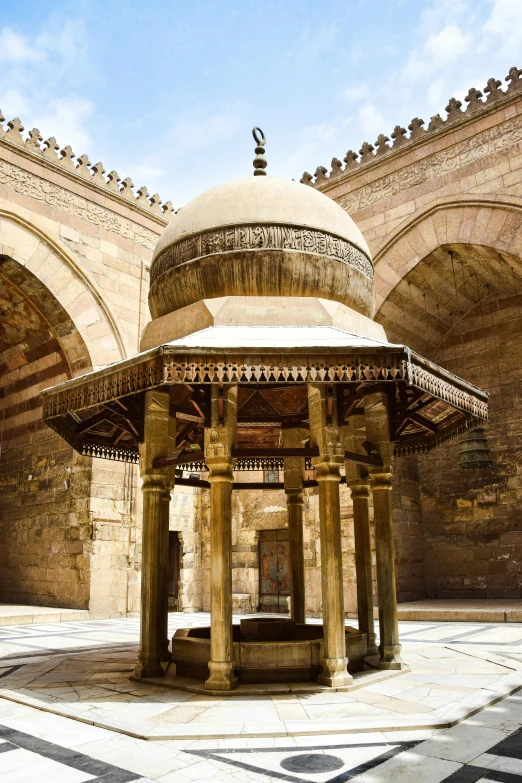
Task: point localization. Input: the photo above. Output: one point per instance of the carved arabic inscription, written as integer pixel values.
(485, 143)
(31, 185)
(268, 237)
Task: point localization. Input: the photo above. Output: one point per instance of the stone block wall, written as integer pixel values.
(473, 519)
(257, 510)
(74, 256)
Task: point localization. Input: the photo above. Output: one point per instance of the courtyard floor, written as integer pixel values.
(68, 712)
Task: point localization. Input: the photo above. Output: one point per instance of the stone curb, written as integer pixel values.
(442, 718)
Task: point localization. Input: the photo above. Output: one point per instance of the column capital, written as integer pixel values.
(381, 478)
(327, 467)
(156, 480)
(221, 466)
(360, 487)
(294, 496)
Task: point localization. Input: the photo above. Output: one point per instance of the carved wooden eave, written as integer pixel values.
(100, 414)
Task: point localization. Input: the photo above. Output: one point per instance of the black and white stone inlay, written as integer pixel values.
(312, 762)
(12, 740)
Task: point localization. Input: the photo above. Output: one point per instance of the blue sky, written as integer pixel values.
(167, 92)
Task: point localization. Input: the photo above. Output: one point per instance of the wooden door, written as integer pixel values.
(274, 571)
(174, 569)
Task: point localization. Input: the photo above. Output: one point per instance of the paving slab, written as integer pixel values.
(470, 611)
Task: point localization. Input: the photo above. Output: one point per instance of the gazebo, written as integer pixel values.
(262, 353)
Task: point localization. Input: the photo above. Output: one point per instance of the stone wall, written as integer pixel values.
(441, 209)
(74, 258)
(473, 519)
(257, 510)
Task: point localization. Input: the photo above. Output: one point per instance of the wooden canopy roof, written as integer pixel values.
(101, 413)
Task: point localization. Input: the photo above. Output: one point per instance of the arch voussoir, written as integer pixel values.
(56, 268)
(493, 224)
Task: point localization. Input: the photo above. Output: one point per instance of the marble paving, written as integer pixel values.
(82, 670)
(68, 712)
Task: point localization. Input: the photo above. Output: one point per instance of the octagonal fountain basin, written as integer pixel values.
(263, 660)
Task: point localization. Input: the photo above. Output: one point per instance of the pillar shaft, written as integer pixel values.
(164, 606)
(377, 430)
(157, 442)
(294, 506)
(293, 480)
(324, 435)
(363, 561)
(354, 434)
(218, 443)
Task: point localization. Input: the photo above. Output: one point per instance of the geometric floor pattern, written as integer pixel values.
(41, 746)
(340, 763)
(323, 764)
(26, 757)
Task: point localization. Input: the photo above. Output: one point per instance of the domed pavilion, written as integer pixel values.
(262, 353)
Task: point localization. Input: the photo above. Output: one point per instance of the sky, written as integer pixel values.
(167, 91)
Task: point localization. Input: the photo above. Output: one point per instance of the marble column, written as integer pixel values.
(157, 442)
(293, 480)
(378, 433)
(358, 481)
(219, 439)
(324, 434)
(169, 487)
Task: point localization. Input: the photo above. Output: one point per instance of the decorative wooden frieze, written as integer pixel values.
(170, 366)
(256, 237)
(417, 445)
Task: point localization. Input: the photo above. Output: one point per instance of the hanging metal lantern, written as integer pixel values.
(474, 452)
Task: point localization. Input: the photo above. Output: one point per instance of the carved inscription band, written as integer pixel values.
(485, 143)
(261, 237)
(34, 186)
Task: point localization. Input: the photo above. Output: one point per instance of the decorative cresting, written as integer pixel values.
(51, 153)
(476, 102)
(260, 160)
(261, 237)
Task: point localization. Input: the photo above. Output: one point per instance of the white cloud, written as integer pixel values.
(314, 43)
(371, 121)
(505, 22)
(67, 43)
(35, 82)
(195, 132)
(352, 94)
(14, 104)
(66, 118)
(312, 143)
(16, 48)
(448, 45)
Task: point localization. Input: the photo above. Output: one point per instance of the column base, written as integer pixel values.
(390, 657)
(335, 673)
(149, 665)
(372, 645)
(222, 677)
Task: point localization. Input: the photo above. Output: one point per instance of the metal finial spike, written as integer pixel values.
(259, 160)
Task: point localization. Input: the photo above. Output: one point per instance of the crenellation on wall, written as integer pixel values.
(496, 97)
(51, 155)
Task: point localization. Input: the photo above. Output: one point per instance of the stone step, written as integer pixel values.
(19, 614)
(479, 610)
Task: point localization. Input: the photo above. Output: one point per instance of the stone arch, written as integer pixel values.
(55, 324)
(449, 283)
(56, 269)
(490, 222)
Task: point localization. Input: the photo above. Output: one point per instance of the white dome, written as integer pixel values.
(270, 200)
